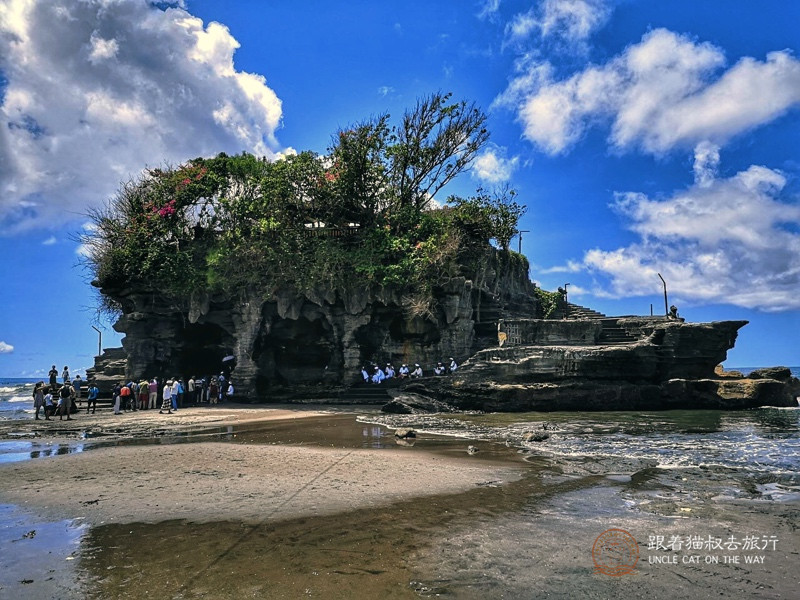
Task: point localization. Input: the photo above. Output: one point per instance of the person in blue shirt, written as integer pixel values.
(91, 398)
(76, 385)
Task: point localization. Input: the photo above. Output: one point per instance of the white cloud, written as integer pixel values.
(706, 161)
(722, 240)
(6, 348)
(571, 267)
(661, 93)
(385, 90)
(49, 241)
(489, 9)
(102, 49)
(493, 167)
(571, 20)
(96, 91)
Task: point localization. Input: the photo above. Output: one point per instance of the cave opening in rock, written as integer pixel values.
(203, 348)
(295, 351)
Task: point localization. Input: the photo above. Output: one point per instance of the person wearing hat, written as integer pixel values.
(389, 371)
(417, 372)
(438, 369)
(403, 371)
(378, 375)
(453, 365)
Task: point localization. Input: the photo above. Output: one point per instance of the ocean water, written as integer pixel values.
(762, 445)
(16, 398)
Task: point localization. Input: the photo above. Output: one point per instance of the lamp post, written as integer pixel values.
(566, 301)
(520, 232)
(99, 341)
(666, 304)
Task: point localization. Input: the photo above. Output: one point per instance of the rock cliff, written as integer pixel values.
(291, 339)
(665, 364)
(315, 342)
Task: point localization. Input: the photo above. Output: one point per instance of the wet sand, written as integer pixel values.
(312, 508)
(211, 481)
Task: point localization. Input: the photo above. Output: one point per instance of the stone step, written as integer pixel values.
(366, 393)
(576, 311)
(612, 333)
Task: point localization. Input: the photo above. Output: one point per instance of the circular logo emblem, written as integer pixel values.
(615, 552)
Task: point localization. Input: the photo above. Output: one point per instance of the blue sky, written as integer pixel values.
(643, 137)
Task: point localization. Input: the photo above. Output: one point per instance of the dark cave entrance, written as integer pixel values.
(295, 351)
(203, 348)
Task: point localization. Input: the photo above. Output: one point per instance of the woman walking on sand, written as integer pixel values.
(167, 403)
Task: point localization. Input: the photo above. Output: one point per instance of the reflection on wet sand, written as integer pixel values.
(363, 554)
(681, 473)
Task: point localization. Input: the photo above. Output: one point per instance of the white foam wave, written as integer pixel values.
(20, 399)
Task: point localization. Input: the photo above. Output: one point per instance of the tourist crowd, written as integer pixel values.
(62, 399)
(372, 373)
(175, 393)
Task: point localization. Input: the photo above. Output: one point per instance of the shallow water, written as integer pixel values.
(758, 441)
(701, 472)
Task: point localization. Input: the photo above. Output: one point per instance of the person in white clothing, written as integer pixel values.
(166, 404)
(453, 365)
(417, 372)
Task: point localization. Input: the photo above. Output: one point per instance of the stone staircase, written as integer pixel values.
(612, 334)
(368, 393)
(575, 311)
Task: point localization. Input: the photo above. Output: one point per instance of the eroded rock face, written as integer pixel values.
(666, 350)
(673, 365)
(588, 395)
(317, 337)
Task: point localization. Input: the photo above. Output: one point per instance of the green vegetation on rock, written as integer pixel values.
(361, 214)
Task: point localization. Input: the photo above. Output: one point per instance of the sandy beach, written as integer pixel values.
(282, 503)
(209, 481)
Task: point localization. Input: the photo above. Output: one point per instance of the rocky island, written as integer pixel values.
(293, 274)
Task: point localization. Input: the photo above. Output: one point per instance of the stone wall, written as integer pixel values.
(664, 350)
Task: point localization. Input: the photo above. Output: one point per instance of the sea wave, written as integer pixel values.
(11, 389)
(19, 399)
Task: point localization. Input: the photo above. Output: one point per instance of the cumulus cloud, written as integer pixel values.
(661, 93)
(6, 348)
(722, 240)
(95, 91)
(493, 167)
(571, 20)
